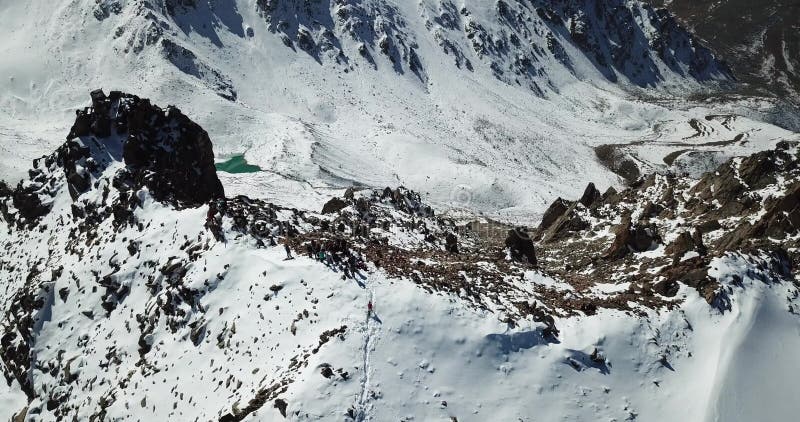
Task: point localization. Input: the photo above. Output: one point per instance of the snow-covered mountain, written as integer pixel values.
(504, 103)
(135, 289)
(144, 271)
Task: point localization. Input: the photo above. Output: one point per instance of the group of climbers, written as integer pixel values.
(336, 254)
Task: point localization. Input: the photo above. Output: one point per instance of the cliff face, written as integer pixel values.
(759, 39)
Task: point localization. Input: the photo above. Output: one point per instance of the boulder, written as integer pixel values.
(666, 287)
(564, 226)
(628, 237)
(610, 195)
(521, 246)
(708, 226)
(334, 205)
(554, 211)
(643, 237)
(682, 244)
(451, 243)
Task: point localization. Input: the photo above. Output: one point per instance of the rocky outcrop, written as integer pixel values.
(521, 246)
(552, 214)
(162, 150)
(333, 205)
(730, 186)
(590, 196)
(748, 205)
(685, 242)
(631, 238)
(782, 219)
(167, 152)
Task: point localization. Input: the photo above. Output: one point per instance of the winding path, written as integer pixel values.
(363, 405)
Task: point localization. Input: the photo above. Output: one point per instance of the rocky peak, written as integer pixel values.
(131, 143)
(161, 149)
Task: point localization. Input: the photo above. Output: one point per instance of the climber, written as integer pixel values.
(310, 249)
(288, 250)
(369, 307)
(211, 215)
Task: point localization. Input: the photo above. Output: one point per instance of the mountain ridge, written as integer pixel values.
(167, 274)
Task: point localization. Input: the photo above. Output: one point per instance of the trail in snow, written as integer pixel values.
(364, 397)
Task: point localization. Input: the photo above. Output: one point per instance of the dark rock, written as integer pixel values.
(451, 243)
(326, 371)
(281, 405)
(554, 211)
(98, 98)
(692, 272)
(610, 195)
(628, 237)
(521, 246)
(666, 287)
(63, 293)
(597, 357)
(171, 154)
(708, 226)
(590, 196)
(568, 223)
(26, 200)
(82, 125)
(619, 248)
(758, 170)
(643, 237)
(782, 218)
(651, 210)
(682, 244)
(334, 205)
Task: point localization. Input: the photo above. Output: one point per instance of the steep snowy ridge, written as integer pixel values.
(124, 300)
(531, 42)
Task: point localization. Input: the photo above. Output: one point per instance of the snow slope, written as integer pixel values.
(420, 357)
